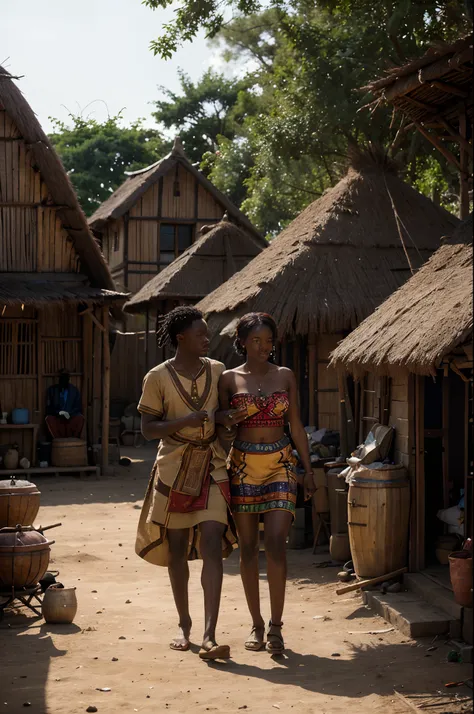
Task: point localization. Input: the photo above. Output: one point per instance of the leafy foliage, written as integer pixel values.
(96, 155)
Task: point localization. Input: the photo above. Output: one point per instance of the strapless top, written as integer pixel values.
(263, 411)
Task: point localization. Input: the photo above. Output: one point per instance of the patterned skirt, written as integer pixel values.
(263, 477)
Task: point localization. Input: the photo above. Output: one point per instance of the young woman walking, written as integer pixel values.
(263, 474)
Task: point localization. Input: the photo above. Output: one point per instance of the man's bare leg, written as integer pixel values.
(211, 580)
(178, 570)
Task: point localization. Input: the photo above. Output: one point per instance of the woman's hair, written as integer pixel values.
(249, 322)
(175, 323)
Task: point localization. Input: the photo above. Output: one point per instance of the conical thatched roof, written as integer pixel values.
(138, 182)
(62, 193)
(210, 261)
(424, 320)
(339, 259)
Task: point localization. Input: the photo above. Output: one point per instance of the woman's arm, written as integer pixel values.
(298, 434)
(226, 416)
(153, 428)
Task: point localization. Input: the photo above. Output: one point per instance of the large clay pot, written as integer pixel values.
(11, 459)
(59, 605)
(460, 570)
(24, 557)
(19, 503)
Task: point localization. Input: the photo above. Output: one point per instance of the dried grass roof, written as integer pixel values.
(140, 181)
(423, 321)
(433, 87)
(339, 259)
(209, 262)
(57, 181)
(45, 289)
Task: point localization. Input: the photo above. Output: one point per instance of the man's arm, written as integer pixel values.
(154, 428)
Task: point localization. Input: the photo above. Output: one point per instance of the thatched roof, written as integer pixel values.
(60, 188)
(433, 87)
(219, 253)
(46, 288)
(138, 182)
(339, 259)
(423, 321)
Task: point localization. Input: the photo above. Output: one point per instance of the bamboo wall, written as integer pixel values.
(131, 244)
(130, 363)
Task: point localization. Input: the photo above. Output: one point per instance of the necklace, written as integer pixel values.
(259, 381)
(194, 388)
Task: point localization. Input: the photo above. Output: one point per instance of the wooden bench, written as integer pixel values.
(54, 470)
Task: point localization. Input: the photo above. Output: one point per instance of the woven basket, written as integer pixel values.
(69, 452)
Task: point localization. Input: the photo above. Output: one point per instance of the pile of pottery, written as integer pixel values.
(25, 551)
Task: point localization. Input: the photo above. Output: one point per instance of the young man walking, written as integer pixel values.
(185, 513)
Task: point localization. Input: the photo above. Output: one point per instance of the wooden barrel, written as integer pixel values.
(24, 557)
(19, 503)
(378, 517)
(69, 452)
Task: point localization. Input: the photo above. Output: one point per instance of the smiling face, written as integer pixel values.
(259, 343)
(195, 339)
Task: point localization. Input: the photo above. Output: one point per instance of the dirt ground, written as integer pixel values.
(126, 618)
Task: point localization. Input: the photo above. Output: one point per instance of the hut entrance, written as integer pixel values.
(443, 458)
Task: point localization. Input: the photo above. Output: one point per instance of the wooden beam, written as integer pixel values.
(105, 389)
(459, 137)
(39, 238)
(312, 377)
(442, 149)
(449, 88)
(39, 364)
(125, 249)
(419, 506)
(87, 369)
(464, 166)
(172, 219)
(445, 436)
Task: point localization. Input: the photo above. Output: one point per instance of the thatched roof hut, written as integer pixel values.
(137, 184)
(221, 251)
(19, 124)
(339, 259)
(434, 95)
(427, 318)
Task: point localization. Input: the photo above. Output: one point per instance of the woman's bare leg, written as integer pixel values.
(247, 529)
(277, 526)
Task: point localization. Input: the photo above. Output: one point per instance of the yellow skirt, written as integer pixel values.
(263, 477)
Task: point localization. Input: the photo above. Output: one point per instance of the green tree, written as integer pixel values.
(201, 112)
(96, 154)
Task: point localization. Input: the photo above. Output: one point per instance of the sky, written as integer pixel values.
(92, 56)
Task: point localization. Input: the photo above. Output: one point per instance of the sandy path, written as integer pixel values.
(57, 669)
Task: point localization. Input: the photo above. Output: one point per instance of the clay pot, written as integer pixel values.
(24, 557)
(59, 605)
(19, 503)
(11, 459)
(339, 548)
(460, 570)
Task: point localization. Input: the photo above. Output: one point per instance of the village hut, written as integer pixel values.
(155, 215)
(222, 250)
(328, 270)
(56, 290)
(433, 94)
(419, 344)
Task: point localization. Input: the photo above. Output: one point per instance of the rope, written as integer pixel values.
(398, 222)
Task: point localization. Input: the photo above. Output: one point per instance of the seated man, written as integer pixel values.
(63, 408)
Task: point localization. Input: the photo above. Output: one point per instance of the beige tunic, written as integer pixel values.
(162, 399)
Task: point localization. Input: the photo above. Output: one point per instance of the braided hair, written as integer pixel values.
(175, 323)
(249, 322)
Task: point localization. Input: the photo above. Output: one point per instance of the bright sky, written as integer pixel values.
(74, 52)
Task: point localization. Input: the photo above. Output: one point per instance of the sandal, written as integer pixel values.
(275, 643)
(211, 651)
(254, 643)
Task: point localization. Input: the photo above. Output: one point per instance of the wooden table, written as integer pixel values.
(17, 427)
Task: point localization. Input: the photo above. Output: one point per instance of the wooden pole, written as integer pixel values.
(87, 368)
(420, 472)
(106, 389)
(463, 175)
(312, 367)
(147, 327)
(371, 581)
(445, 438)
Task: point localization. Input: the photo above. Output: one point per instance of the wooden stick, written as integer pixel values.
(106, 390)
(371, 581)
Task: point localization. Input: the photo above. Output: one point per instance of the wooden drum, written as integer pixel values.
(19, 503)
(69, 452)
(24, 557)
(378, 514)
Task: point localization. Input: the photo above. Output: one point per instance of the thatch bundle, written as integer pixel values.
(339, 259)
(423, 321)
(221, 251)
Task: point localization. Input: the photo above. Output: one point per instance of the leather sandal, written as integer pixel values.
(275, 643)
(254, 642)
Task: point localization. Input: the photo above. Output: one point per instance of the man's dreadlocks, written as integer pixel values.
(174, 323)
